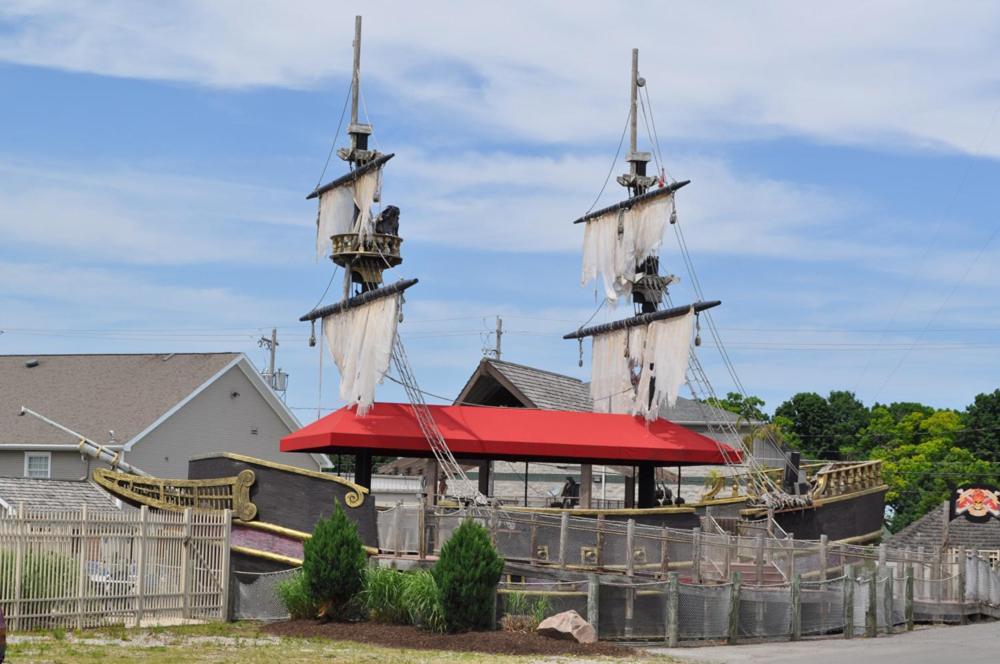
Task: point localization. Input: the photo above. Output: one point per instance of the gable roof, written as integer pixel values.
(93, 394)
(54, 495)
(537, 388)
(928, 532)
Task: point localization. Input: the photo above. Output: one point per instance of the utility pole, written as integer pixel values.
(276, 378)
(499, 335)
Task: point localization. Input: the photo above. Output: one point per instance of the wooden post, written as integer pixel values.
(17, 623)
(823, 546)
(673, 602)
(871, 615)
(908, 606)
(630, 547)
(887, 600)
(629, 610)
(961, 584)
(734, 608)
(696, 554)
(921, 573)
(593, 601)
(664, 552)
(880, 570)
(140, 600)
(586, 485)
(185, 563)
(422, 528)
(728, 556)
(396, 546)
(82, 573)
(759, 559)
(796, 589)
(790, 545)
(227, 523)
(849, 601)
(534, 539)
(563, 538)
(600, 541)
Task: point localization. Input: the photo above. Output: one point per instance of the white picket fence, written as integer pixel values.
(75, 569)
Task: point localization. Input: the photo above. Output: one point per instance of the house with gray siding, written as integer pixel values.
(156, 410)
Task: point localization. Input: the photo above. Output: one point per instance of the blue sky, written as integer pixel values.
(154, 161)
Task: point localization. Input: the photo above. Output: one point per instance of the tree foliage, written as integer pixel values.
(334, 563)
(748, 407)
(981, 436)
(467, 574)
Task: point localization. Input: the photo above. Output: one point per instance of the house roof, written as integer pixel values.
(93, 394)
(928, 532)
(479, 432)
(537, 388)
(54, 494)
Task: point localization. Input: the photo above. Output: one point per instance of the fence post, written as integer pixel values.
(908, 601)
(140, 597)
(422, 528)
(563, 537)
(599, 554)
(871, 615)
(961, 584)
(82, 573)
(790, 545)
(17, 622)
(593, 602)
(881, 561)
(728, 557)
(630, 547)
(823, 544)
(533, 540)
(921, 573)
(796, 589)
(673, 603)
(849, 601)
(887, 602)
(395, 528)
(664, 552)
(227, 523)
(185, 564)
(734, 608)
(696, 555)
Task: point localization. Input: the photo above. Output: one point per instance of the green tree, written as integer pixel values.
(748, 407)
(982, 427)
(850, 417)
(811, 422)
(333, 564)
(467, 574)
(920, 460)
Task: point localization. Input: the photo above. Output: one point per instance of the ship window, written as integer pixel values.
(38, 465)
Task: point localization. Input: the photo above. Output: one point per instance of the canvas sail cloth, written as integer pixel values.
(626, 362)
(360, 340)
(336, 210)
(615, 242)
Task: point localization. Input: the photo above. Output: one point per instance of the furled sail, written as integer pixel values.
(360, 340)
(616, 241)
(657, 352)
(336, 209)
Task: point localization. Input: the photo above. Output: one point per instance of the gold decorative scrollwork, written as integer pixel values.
(354, 499)
(243, 507)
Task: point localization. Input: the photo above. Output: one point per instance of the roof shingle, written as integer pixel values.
(55, 494)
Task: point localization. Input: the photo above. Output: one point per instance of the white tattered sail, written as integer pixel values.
(659, 352)
(336, 210)
(360, 340)
(613, 255)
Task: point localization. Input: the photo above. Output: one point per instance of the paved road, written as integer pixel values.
(968, 644)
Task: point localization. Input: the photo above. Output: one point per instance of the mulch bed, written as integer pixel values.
(407, 636)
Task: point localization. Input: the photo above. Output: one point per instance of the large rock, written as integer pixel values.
(568, 625)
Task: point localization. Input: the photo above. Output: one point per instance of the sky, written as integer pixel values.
(155, 158)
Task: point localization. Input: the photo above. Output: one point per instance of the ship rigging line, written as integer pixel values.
(614, 162)
(333, 146)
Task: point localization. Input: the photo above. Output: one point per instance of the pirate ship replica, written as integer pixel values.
(639, 364)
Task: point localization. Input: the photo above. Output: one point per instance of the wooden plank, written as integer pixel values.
(734, 608)
(673, 602)
(593, 602)
(849, 584)
(563, 538)
(871, 615)
(630, 547)
(908, 606)
(796, 590)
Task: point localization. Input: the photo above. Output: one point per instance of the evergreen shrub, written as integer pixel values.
(294, 595)
(334, 563)
(467, 574)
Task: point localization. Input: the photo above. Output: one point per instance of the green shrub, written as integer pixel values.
(422, 601)
(467, 574)
(333, 563)
(383, 595)
(523, 614)
(43, 575)
(294, 594)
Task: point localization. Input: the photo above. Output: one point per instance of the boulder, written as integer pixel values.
(568, 625)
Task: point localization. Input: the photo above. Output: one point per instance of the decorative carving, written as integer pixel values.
(178, 495)
(354, 498)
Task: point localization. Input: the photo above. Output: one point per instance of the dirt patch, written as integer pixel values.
(407, 636)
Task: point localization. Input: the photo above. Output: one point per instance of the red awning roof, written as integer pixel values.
(523, 434)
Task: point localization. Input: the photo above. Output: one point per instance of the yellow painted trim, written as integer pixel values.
(288, 532)
(266, 555)
(609, 512)
(882, 488)
(862, 539)
(560, 593)
(352, 501)
(718, 501)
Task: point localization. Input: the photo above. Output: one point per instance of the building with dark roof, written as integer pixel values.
(156, 410)
(62, 495)
(935, 529)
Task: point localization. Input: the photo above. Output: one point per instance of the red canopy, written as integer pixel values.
(522, 434)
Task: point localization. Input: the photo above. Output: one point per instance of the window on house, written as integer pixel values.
(38, 465)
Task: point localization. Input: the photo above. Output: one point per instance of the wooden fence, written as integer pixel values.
(75, 569)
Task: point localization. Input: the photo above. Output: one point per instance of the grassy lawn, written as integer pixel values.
(233, 642)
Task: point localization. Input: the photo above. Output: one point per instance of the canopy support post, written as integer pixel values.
(586, 485)
(363, 469)
(647, 485)
(484, 477)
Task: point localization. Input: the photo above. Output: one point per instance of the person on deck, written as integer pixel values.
(570, 493)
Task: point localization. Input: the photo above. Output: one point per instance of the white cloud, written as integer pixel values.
(879, 73)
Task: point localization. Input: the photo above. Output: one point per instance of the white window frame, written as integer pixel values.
(46, 455)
